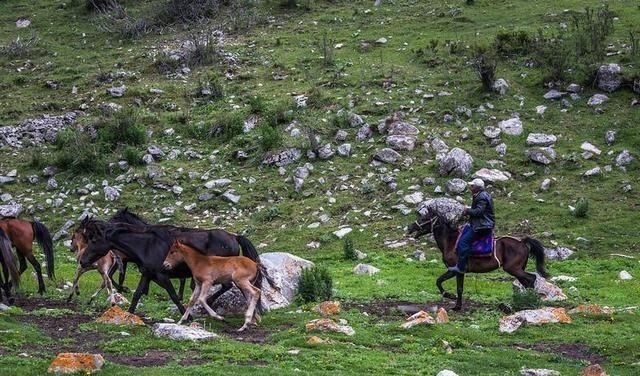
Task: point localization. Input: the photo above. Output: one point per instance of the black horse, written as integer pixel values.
(147, 247)
(510, 253)
(10, 275)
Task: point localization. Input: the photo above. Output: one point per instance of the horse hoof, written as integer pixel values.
(457, 308)
(449, 295)
(242, 328)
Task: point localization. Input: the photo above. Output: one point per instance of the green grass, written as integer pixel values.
(72, 51)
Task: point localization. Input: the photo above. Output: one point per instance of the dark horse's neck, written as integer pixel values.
(445, 236)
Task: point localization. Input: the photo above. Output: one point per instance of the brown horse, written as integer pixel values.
(22, 233)
(208, 271)
(10, 278)
(510, 253)
(105, 266)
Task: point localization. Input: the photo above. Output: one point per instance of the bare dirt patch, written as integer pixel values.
(147, 359)
(577, 351)
(390, 310)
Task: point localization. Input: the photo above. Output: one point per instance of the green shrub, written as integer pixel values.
(279, 112)
(122, 128)
(76, 152)
(270, 137)
(582, 208)
(526, 299)
(513, 43)
(348, 249)
(20, 47)
(227, 125)
(133, 156)
(315, 285)
(484, 64)
(257, 105)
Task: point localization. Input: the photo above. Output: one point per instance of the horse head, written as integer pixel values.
(96, 243)
(125, 216)
(423, 225)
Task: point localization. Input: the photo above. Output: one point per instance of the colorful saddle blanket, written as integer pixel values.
(481, 245)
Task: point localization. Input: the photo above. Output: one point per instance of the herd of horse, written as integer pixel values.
(212, 257)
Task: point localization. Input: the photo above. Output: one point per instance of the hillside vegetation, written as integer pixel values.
(270, 118)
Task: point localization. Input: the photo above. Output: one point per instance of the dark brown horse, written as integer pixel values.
(22, 233)
(510, 253)
(10, 278)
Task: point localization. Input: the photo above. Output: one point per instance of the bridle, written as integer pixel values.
(431, 222)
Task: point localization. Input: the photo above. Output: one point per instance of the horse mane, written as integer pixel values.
(450, 226)
(125, 216)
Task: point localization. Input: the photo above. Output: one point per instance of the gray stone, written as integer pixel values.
(355, 120)
(438, 145)
(456, 162)
(325, 152)
(593, 172)
(610, 137)
(283, 158)
(419, 256)
(148, 159)
(341, 233)
(558, 253)
(609, 77)
(52, 184)
(364, 133)
(111, 193)
(401, 142)
(344, 150)
(574, 88)
(387, 155)
(6, 197)
(538, 372)
(546, 183)
(491, 132)
(36, 130)
(6, 180)
(402, 128)
(446, 372)
(10, 210)
(301, 172)
(501, 86)
(361, 269)
(117, 92)
(456, 186)
(181, 332)
(541, 139)
(554, 94)
(545, 289)
(217, 183)
(589, 147)
(413, 198)
(512, 127)
(542, 155)
(155, 151)
(206, 196)
(492, 175)
(341, 135)
(624, 158)
(231, 196)
(501, 149)
(22, 23)
(428, 181)
(597, 99)
(625, 276)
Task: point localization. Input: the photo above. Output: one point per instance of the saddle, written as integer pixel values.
(481, 245)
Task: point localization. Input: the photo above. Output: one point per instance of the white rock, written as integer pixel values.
(597, 99)
(512, 127)
(547, 290)
(181, 332)
(538, 372)
(365, 269)
(625, 276)
(492, 175)
(413, 198)
(541, 139)
(217, 183)
(342, 232)
(587, 146)
(446, 372)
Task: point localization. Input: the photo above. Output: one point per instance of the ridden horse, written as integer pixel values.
(22, 233)
(105, 266)
(208, 271)
(510, 253)
(147, 247)
(10, 276)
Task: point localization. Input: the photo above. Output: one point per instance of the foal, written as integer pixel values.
(104, 266)
(210, 270)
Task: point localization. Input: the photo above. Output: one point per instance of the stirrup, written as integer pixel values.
(455, 269)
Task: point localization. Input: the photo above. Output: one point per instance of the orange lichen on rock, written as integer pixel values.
(594, 370)
(115, 315)
(76, 362)
(329, 307)
(442, 317)
(592, 309)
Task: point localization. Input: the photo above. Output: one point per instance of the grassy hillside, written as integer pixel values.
(255, 62)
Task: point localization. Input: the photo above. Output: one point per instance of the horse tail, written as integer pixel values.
(262, 272)
(537, 249)
(248, 250)
(9, 259)
(44, 239)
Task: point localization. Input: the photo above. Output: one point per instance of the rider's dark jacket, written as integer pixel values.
(481, 212)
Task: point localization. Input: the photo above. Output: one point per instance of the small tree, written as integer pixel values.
(315, 285)
(349, 251)
(484, 64)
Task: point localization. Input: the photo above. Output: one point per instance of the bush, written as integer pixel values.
(279, 113)
(204, 49)
(114, 18)
(227, 125)
(582, 208)
(485, 65)
(315, 285)
(348, 250)
(527, 299)
(133, 156)
(257, 105)
(19, 48)
(270, 137)
(76, 152)
(122, 128)
(554, 54)
(514, 43)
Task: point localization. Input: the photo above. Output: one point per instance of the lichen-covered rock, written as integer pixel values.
(115, 315)
(608, 77)
(365, 269)
(547, 315)
(421, 317)
(542, 155)
(283, 157)
(591, 309)
(492, 175)
(594, 370)
(444, 206)
(456, 162)
(387, 155)
(11, 210)
(328, 308)
(541, 139)
(329, 325)
(547, 290)
(76, 362)
(512, 127)
(181, 332)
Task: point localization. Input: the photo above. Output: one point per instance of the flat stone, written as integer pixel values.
(541, 139)
(365, 269)
(181, 332)
(512, 127)
(342, 232)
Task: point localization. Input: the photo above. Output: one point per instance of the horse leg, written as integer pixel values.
(183, 281)
(164, 281)
(446, 276)
(459, 291)
(252, 294)
(36, 266)
(22, 263)
(192, 301)
(102, 286)
(206, 286)
(143, 285)
(76, 279)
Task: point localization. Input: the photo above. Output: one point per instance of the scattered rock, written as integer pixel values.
(492, 175)
(558, 253)
(554, 94)
(387, 155)
(344, 150)
(325, 152)
(608, 77)
(442, 317)
(547, 315)
(610, 137)
(594, 370)
(365, 269)
(512, 127)
(283, 158)
(625, 276)
(414, 198)
(328, 308)
(342, 232)
(116, 316)
(231, 196)
(592, 309)
(491, 132)
(597, 99)
(36, 130)
(547, 290)
(10, 210)
(111, 193)
(593, 172)
(401, 142)
(447, 207)
(624, 158)
(446, 372)
(217, 183)
(76, 362)
(589, 147)
(541, 139)
(501, 86)
(181, 332)
(456, 162)
(542, 155)
(21, 23)
(538, 372)
(455, 186)
(421, 317)
(117, 92)
(329, 325)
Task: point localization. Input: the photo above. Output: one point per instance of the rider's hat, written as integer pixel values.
(477, 183)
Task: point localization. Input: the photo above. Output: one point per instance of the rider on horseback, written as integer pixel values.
(481, 220)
